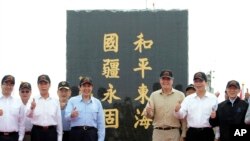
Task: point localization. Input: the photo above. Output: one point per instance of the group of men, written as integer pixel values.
(176, 117)
(193, 118)
(44, 118)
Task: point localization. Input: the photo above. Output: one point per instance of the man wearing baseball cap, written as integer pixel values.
(86, 114)
(45, 113)
(190, 89)
(160, 108)
(64, 93)
(12, 112)
(25, 93)
(230, 113)
(197, 108)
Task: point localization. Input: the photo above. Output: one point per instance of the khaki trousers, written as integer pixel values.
(166, 135)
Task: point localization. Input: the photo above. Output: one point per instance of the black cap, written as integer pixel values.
(8, 78)
(63, 84)
(201, 76)
(166, 73)
(233, 83)
(85, 80)
(24, 85)
(190, 86)
(43, 77)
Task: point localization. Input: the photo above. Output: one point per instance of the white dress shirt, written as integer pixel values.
(27, 123)
(198, 110)
(13, 116)
(46, 113)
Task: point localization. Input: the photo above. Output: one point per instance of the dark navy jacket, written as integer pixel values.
(229, 117)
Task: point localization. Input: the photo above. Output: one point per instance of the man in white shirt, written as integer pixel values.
(198, 108)
(25, 93)
(45, 114)
(12, 112)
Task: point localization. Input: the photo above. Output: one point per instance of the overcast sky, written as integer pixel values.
(33, 36)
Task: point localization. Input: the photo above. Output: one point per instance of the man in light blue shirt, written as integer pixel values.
(86, 114)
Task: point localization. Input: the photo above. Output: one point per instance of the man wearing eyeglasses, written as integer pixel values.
(25, 93)
(12, 113)
(64, 93)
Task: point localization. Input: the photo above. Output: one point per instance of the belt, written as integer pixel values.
(84, 127)
(27, 133)
(44, 127)
(7, 133)
(166, 128)
(200, 129)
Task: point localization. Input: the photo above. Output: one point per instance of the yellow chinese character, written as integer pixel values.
(143, 90)
(143, 66)
(144, 121)
(110, 94)
(110, 42)
(111, 68)
(111, 118)
(147, 44)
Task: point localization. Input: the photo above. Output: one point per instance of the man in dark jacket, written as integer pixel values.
(230, 113)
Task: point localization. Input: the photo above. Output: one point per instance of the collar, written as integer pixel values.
(205, 95)
(81, 99)
(2, 96)
(172, 92)
(233, 100)
(40, 97)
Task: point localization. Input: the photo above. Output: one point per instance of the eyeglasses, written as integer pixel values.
(166, 78)
(25, 91)
(8, 84)
(198, 81)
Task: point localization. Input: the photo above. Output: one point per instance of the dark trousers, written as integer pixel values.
(80, 134)
(39, 133)
(200, 134)
(27, 137)
(66, 136)
(13, 136)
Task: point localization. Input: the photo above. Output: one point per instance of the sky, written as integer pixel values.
(33, 37)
